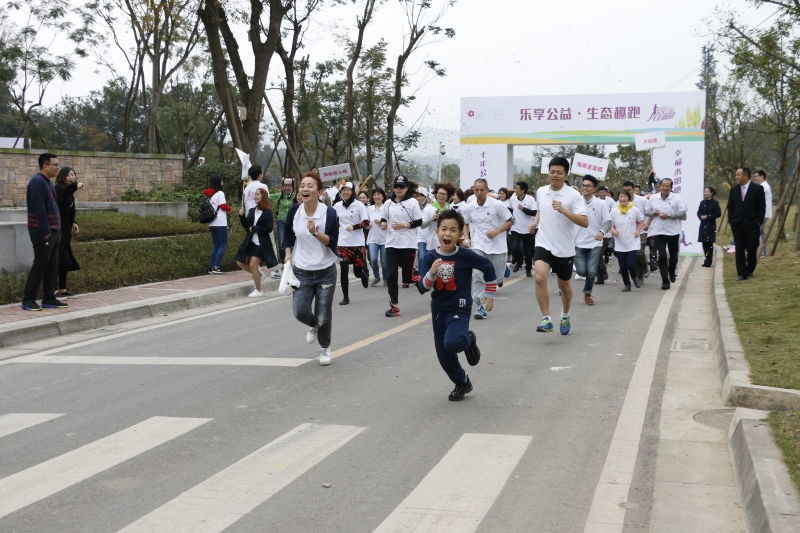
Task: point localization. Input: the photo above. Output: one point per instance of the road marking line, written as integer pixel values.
(459, 491)
(189, 361)
(45, 479)
(607, 512)
(13, 422)
(224, 498)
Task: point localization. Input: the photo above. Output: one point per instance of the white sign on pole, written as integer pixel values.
(650, 140)
(335, 172)
(245, 160)
(586, 164)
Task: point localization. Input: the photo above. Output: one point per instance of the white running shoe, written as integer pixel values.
(311, 336)
(324, 356)
(255, 294)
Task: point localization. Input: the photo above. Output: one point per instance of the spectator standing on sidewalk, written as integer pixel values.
(44, 229)
(747, 207)
(218, 226)
(66, 186)
(760, 177)
(708, 212)
(561, 212)
(666, 211)
(589, 240)
(312, 236)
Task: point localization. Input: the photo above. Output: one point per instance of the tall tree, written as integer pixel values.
(30, 59)
(421, 23)
(264, 35)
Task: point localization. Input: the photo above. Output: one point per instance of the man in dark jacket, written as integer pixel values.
(44, 228)
(746, 209)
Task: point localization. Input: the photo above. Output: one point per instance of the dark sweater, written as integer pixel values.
(43, 214)
(452, 288)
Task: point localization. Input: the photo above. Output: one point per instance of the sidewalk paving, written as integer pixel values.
(712, 473)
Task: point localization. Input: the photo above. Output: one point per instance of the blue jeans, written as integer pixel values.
(378, 251)
(449, 338)
(586, 264)
(281, 235)
(627, 265)
(421, 249)
(319, 286)
(219, 236)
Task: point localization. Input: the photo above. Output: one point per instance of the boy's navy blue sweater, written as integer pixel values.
(43, 214)
(452, 286)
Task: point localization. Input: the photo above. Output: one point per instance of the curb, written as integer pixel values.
(37, 329)
(767, 494)
(732, 367)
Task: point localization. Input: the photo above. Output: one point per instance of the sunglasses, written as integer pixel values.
(400, 187)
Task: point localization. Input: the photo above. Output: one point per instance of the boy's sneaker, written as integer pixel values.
(255, 294)
(393, 311)
(564, 326)
(545, 326)
(324, 356)
(215, 270)
(31, 306)
(311, 336)
(507, 271)
(54, 304)
(458, 393)
(472, 352)
(481, 313)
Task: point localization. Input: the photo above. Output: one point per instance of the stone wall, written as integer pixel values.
(106, 175)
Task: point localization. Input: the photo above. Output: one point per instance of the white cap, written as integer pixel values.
(347, 184)
(423, 191)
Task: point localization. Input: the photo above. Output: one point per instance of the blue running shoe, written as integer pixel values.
(481, 313)
(544, 326)
(564, 326)
(507, 271)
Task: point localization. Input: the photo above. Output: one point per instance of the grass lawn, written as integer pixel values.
(766, 309)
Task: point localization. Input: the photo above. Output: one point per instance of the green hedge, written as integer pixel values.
(109, 226)
(113, 264)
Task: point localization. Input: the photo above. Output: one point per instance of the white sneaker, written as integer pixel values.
(255, 294)
(324, 356)
(311, 336)
(579, 277)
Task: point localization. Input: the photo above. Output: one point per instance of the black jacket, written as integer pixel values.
(263, 228)
(747, 212)
(708, 227)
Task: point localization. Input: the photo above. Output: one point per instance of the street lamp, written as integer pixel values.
(441, 155)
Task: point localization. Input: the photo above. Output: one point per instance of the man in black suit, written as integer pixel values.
(746, 208)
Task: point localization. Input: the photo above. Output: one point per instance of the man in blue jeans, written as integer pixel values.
(589, 240)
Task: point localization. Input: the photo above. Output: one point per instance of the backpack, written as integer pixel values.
(207, 211)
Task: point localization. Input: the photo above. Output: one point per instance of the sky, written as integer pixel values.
(529, 47)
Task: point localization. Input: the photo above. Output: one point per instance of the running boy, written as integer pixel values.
(449, 273)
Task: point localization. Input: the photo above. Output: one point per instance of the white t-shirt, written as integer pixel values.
(427, 231)
(610, 203)
(309, 253)
(376, 235)
(256, 216)
(556, 232)
(768, 198)
(521, 220)
(403, 212)
(485, 218)
(349, 216)
(625, 224)
(673, 205)
(249, 194)
(216, 200)
(598, 220)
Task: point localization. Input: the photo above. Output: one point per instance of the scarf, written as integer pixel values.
(625, 209)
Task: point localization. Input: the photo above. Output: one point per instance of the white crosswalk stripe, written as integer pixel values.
(459, 491)
(45, 479)
(224, 498)
(13, 422)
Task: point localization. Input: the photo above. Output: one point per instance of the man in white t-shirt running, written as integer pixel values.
(561, 212)
(249, 194)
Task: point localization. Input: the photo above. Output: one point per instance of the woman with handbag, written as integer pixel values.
(257, 246)
(219, 226)
(312, 235)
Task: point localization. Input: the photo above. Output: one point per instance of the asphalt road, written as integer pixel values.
(370, 442)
